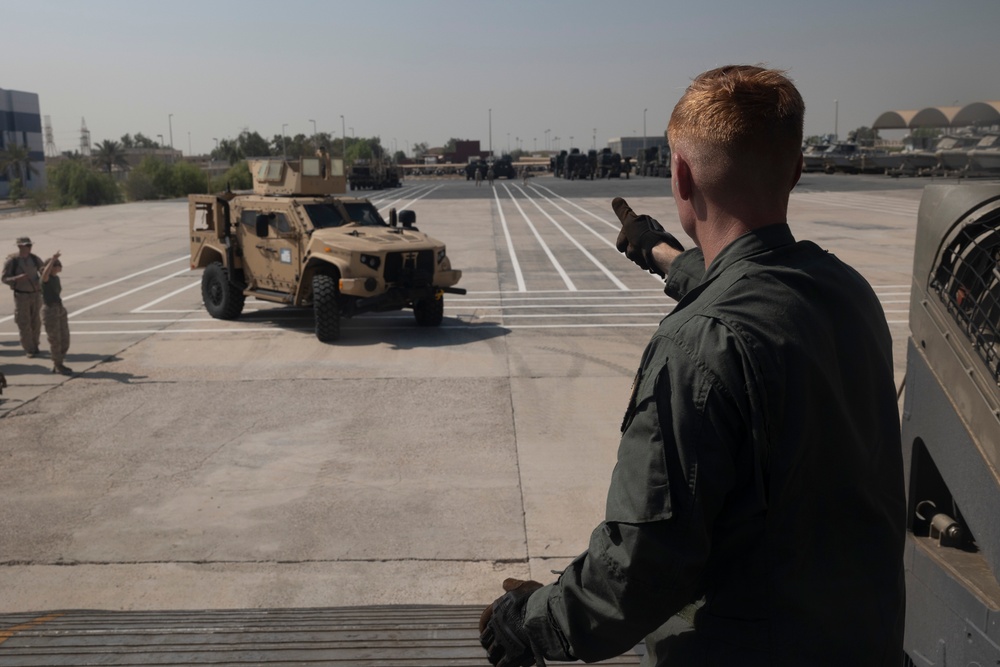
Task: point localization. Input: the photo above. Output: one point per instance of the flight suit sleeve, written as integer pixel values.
(686, 273)
(645, 562)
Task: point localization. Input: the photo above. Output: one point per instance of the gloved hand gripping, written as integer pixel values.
(639, 235)
(501, 626)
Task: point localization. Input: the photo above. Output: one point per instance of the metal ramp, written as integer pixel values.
(387, 636)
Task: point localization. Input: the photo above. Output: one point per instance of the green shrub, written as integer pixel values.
(76, 184)
(189, 179)
(236, 177)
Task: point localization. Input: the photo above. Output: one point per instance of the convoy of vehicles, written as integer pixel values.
(293, 242)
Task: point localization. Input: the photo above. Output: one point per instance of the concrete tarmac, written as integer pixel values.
(196, 463)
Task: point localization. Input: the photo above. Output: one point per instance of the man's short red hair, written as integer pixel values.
(741, 112)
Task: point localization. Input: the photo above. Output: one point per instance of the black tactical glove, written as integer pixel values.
(639, 234)
(501, 627)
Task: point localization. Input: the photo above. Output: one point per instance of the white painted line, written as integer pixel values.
(142, 308)
(412, 200)
(552, 258)
(607, 272)
(124, 294)
(510, 246)
(70, 297)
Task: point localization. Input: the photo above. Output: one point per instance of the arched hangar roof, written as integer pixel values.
(977, 113)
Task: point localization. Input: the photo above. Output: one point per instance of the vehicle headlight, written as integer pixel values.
(441, 255)
(371, 261)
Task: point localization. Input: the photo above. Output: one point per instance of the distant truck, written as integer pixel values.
(577, 165)
(609, 165)
(368, 174)
(294, 242)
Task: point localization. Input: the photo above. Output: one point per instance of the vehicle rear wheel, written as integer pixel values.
(326, 307)
(429, 312)
(223, 300)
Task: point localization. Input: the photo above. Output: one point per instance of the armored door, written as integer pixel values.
(271, 250)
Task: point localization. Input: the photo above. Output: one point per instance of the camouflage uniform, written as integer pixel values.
(27, 297)
(56, 322)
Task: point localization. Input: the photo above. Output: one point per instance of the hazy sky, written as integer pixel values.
(427, 70)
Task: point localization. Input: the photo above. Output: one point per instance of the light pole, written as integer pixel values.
(595, 138)
(216, 143)
(508, 143)
(491, 132)
(161, 140)
(547, 139)
(571, 142)
(170, 124)
(644, 136)
(283, 126)
(535, 139)
(343, 145)
(314, 131)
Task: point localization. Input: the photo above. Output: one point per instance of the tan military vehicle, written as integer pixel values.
(293, 242)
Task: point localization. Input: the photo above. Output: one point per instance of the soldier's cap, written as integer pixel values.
(23, 240)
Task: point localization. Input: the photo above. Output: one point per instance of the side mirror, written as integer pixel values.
(407, 218)
(392, 217)
(261, 221)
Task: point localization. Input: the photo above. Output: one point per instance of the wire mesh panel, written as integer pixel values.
(968, 282)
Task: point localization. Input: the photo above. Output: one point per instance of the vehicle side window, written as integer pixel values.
(249, 217)
(280, 223)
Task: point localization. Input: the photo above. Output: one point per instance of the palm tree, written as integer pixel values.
(109, 155)
(16, 162)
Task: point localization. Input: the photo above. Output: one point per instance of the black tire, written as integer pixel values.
(326, 307)
(429, 312)
(223, 300)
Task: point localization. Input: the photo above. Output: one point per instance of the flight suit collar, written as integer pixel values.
(751, 243)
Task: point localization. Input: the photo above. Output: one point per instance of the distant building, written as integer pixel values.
(21, 125)
(465, 150)
(632, 146)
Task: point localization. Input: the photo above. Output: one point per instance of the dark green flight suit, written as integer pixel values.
(760, 468)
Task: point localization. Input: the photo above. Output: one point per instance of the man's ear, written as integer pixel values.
(798, 171)
(682, 175)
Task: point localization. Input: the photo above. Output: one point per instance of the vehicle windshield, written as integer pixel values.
(364, 214)
(324, 216)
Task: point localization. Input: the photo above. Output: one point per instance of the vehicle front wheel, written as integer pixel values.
(429, 312)
(326, 307)
(223, 300)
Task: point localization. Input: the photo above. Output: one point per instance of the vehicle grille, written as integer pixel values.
(409, 268)
(968, 282)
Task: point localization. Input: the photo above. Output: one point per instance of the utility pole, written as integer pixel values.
(170, 124)
(491, 132)
(643, 134)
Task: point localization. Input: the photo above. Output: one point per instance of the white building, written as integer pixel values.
(632, 146)
(21, 125)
